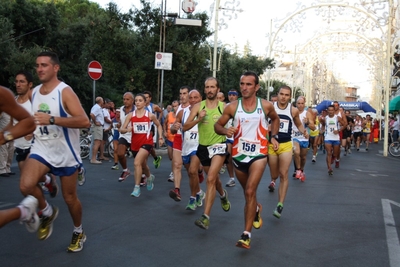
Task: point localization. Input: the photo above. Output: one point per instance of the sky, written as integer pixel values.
(253, 24)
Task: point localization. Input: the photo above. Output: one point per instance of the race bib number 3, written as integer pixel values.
(217, 149)
(249, 147)
(140, 127)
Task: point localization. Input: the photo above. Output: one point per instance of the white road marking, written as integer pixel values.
(391, 233)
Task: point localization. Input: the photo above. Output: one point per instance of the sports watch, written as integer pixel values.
(51, 120)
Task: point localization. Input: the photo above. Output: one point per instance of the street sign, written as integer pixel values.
(163, 61)
(95, 70)
(188, 6)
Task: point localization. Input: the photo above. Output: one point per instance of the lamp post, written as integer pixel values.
(217, 24)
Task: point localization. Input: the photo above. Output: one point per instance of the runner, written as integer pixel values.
(212, 149)
(169, 137)
(232, 96)
(250, 146)
(367, 126)
(314, 136)
(357, 131)
(138, 122)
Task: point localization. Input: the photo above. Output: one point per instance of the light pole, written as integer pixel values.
(216, 28)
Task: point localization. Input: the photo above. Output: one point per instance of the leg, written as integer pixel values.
(328, 148)
(284, 164)
(121, 155)
(70, 195)
(213, 182)
(96, 146)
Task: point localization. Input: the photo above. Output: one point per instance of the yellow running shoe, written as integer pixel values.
(46, 225)
(244, 241)
(257, 223)
(77, 242)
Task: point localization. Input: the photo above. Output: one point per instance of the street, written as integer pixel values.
(327, 221)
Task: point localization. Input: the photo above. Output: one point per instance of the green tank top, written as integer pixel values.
(207, 135)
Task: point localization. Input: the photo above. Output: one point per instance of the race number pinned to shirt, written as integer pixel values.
(216, 149)
(249, 147)
(140, 127)
(284, 126)
(191, 136)
(47, 132)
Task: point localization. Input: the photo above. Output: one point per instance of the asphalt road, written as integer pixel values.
(348, 219)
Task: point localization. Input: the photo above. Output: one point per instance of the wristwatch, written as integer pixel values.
(276, 137)
(8, 136)
(51, 120)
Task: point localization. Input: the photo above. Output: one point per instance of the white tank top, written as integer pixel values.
(22, 143)
(128, 135)
(177, 111)
(296, 133)
(357, 126)
(331, 125)
(57, 145)
(190, 138)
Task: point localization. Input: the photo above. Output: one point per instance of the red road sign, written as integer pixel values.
(95, 70)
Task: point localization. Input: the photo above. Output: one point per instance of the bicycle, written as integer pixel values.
(85, 142)
(394, 147)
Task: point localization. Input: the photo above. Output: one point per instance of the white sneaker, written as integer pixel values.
(231, 182)
(171, 177)
(314, 159)
(32, 221)
(222, 170)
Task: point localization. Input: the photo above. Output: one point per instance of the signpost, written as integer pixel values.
(163, 61)
(95, 71)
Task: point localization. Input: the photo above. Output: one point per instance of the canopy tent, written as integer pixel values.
(394, 104)
(364, 106)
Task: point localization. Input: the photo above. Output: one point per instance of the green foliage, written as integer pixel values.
(80, 31)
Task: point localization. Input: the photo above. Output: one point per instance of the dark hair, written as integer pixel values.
(212, 78)
(27, 74)
(252, 73)
(146, 93)
(53, 57)
(330, 106)
(286, 87)
(185, 87)
(142, 95)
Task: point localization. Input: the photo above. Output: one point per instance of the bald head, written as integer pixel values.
(194, 97)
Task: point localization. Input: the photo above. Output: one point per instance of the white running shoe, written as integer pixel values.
(32, 221)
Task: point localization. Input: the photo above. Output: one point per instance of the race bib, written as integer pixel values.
(332, 128)
(249, 147)
(217, 149)
(284, 126)
(298, 133)
(191, 137)
(140, 127)
(47, 132)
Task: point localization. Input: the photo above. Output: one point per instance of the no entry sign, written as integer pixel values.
(95, 70)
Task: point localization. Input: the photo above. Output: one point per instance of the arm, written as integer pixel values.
(124, 128)
(157, 108)
(73, 107)
(275, 122)
(310, 121)
(177, 124)
(343, 123)
(219, 126)
(193, 113)
(25, 125)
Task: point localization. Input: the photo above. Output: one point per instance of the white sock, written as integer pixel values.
(48, 210)
(78, 229)
(24, 213)
(47, 179)
(247, 233)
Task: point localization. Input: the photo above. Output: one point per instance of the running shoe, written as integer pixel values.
(366, 149)
(231, 182)
(77, 242)
(244, 241)
(175, 194)
(52, 187)
(349, 150)
(124, 175)
(337, 164)
(31, 221)
(201, 176)
(358, 149)
(115, 166)
(302, 177)
(199, 198)
(278, 211)
(330, 171)
(136, 191)
(222, 170)
(46, 224)
(171, 177)
(294, 174)
(345, 152)
(81, 176)
(203, 222)
(225, 204)
(143, 181)
(150, 182)
(192, 204)
(257, 223)
(271, 186)
(298, 174)
(157, 162)
(314, 159)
